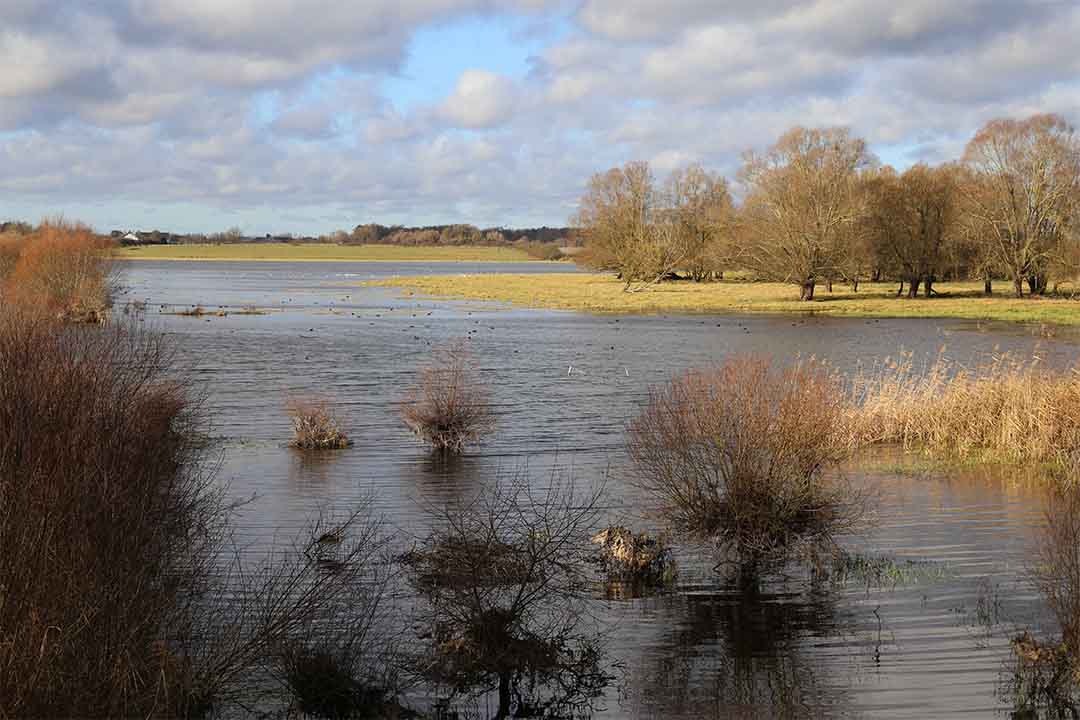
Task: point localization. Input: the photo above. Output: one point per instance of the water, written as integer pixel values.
(564, 385)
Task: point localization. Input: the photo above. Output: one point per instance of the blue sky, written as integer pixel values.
(309, 116)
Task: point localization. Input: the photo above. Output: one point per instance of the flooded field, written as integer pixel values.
(564, 385)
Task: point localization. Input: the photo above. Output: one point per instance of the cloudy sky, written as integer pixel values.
(312, 115)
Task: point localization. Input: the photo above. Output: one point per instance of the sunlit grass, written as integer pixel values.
(604, 294)
(324, 252)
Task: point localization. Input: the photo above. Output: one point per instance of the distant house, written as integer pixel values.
(130, 239)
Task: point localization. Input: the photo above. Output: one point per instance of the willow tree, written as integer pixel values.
(699, 205)
(911, 219)
(1025, 193)
(802, 204)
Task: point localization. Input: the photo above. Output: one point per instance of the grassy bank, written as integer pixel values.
(287, 252)
(604, 294)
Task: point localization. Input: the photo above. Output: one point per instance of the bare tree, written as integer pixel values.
(1025, 192)
(504, 588)
(802, 203)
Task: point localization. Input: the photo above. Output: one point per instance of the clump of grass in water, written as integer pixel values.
(315, 426)
(883, 571)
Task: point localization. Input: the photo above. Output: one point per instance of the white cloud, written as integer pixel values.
(481, 99)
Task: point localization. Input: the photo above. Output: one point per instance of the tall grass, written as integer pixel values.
(1004, 409)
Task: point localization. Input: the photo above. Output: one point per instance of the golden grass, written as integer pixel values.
(600, 293)
(324, 252)
(1002, 411)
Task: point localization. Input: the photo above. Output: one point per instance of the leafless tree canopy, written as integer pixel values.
(1025, 193)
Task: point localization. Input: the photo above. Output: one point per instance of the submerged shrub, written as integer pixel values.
(1046, 670)
(737, 455)
(503, 587)
(449, 407)
(315, 427)
(327, 682)
(1009, 410)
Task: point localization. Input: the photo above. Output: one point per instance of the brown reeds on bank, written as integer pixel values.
(1004, 410)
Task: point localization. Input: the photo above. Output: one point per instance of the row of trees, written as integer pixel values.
(818, 207)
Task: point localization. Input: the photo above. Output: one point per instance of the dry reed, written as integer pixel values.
(1003, 409)
(315, 426)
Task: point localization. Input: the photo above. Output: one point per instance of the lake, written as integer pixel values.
(564, 385)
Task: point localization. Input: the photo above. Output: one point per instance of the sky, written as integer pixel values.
(307, 116)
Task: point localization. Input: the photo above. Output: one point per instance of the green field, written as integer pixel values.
(604, 294)
(323, 252)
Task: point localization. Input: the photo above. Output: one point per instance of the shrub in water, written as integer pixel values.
(737, 455)
(315, 426)
(449, 407)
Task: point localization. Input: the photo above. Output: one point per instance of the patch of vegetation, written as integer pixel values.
(315, 426)
(449, 408)
(604, 293)
(738, 455)
(848, 568)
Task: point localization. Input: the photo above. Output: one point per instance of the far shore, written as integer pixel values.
(603, 294)
(324, 252)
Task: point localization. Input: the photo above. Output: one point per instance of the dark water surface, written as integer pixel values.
(564, 385)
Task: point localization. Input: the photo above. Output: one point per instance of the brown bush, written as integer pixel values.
(1004, 409)
(449, 407)
(65, 269)
(105, 512)
(315, 426)
(737, 455)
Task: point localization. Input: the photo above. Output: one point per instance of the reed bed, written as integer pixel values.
(1005, 409)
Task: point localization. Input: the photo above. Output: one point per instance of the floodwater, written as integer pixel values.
(564, 385)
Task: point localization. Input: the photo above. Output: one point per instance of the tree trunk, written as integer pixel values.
(828, 285)
(988, 286)
(806, 290)
(929, 285)
(504, 696)
(900, 290)
(1018, 286)
(855, 285)
(913, 288)
(1037, 284)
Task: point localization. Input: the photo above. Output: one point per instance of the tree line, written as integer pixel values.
(818, 207)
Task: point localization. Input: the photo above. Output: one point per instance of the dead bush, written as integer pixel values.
(737, 455)
(315, 426)
(1008, 410)
(449, 407)
(65, 269)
